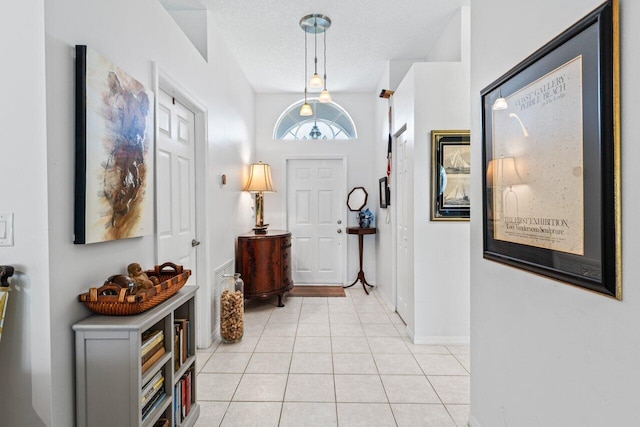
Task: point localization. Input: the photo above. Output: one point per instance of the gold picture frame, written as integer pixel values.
(450, 175)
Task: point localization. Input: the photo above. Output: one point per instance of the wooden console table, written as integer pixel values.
(360, 232)
(264, 264)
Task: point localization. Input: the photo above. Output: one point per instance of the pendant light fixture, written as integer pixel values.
(305, 110)
(316, 23)
(325, 96)
(316, 81)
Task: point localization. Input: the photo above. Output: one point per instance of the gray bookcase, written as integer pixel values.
(109, 378)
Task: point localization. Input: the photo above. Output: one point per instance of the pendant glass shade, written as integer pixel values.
(315, 82)
(306, 110)
(325, 96)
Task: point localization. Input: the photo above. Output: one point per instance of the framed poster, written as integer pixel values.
(383, 189)
(551, 159)
(114, 152)
(450, 175)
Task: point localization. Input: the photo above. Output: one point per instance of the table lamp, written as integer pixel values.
(259, 182)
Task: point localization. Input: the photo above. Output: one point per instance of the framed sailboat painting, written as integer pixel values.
(450, 175)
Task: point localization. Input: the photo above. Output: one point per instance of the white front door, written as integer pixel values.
(316, 219)
(403, 290)
(176, 209)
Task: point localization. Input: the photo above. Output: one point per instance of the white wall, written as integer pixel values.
(359, 154)
(545, 353)
(438, 249)
(132, 40)
(448, 47)
(433, 96)
(25, 363)
(384, 237)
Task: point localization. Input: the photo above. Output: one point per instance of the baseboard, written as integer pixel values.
(388, 303)
(412, 335)
(434, 340)
(473, 422)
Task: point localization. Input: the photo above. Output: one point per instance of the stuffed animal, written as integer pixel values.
(140, 278)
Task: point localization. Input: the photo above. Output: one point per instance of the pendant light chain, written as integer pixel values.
(305, 110)
(315, 45)
(325, 60)
(325, 96)
(305, 67)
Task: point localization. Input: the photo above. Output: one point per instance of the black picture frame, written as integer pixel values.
(450, 175)
(383, 189)
(551, 159)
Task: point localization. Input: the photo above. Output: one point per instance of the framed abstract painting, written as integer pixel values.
(114, 152)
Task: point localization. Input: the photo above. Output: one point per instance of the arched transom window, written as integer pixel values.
(329, 121)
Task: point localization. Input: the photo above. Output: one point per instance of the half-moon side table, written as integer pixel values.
(263, 261)
(360, 232)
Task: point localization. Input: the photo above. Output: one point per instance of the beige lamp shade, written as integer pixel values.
(504, 171)
(259, 179)
(508, 172)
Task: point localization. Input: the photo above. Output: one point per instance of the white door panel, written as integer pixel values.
(314, 195)
(176, 213)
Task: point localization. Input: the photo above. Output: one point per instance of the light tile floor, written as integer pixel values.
(331, 362)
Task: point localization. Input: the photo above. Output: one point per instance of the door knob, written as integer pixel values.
(339, 221)
(339, 230)
(195, 243)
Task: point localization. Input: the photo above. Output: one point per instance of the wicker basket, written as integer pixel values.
(172, 277)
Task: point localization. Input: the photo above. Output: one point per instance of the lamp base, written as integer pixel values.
(261, 229)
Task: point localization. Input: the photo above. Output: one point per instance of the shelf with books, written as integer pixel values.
(183, 395)
(122, 356)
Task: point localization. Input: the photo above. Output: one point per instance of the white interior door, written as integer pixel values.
(403, 290)
(315, 217)
(176, 210)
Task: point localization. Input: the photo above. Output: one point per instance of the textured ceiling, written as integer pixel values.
(266, 39)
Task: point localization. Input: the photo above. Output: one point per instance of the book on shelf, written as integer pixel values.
(187, 347)
(162, 422)
(177, 390)
(189, 353)
(176, 347)
(183, 331)
(149, 339)
(153, 359)
(152, 387)
(183, 403)
(187, 398)
(153, 404)
(152, 351)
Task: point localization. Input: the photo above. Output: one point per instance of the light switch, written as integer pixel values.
(6, 229)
